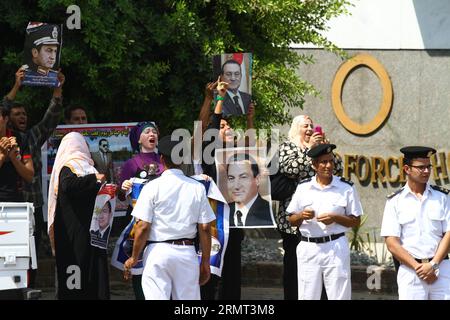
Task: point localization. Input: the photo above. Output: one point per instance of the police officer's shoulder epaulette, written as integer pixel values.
(346, 181)
(393, 194)
(441, 189)
(305, 180)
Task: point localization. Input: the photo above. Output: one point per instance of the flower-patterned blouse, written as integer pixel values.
(295, 164)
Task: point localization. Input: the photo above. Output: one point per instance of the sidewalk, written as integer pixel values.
(262, 271)
(260, 281)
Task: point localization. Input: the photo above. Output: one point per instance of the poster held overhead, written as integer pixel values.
(236, 70)
(42, 53)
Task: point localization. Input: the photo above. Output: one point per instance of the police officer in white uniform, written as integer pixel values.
(416, 225)
(171, 208)
(324, 207)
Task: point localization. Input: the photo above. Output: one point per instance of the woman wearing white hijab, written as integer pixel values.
(82, 269)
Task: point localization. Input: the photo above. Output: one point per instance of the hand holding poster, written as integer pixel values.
(42, 50)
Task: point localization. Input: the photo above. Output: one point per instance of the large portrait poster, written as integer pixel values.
(109, 146)
(243, 179)
(42, 53)
(236, 70)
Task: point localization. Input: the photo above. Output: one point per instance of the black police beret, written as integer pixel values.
(417, 152)
(321, 149)
(166, 145)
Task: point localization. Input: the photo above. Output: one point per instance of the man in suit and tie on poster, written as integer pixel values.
(248, 208)
(103, 160)
(100, 236)
(235, 102)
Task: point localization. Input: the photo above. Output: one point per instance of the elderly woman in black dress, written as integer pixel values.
(82, 270)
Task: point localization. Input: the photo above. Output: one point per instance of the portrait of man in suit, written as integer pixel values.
(236, 102)
(104, 219)
(248, 208)
(103, 161)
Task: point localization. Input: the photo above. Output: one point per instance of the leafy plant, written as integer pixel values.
(356, 238)
(366, 246)
(150, 60)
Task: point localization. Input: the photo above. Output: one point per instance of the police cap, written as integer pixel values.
(413, 152)
(321, 149)
(45, 34)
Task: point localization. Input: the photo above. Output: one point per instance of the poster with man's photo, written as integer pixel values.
(42, 54)
(236, 70)
(109, 145)
(243, 179)
(103, 215)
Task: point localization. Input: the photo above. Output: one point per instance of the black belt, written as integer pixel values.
(429, 259)
(180, 242)
(322, 239)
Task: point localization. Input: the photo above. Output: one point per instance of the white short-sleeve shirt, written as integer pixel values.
(419, 223)
(339, 197)
(174, 204)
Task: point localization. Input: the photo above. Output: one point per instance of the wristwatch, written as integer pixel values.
(435, 267)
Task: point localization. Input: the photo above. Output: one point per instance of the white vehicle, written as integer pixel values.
(16, 244)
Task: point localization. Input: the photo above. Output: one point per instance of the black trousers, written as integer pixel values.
(209, 290)
(39, 227)
(137, 287)
(290, 283)
(230, 288)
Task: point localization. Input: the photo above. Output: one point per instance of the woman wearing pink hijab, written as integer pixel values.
(82, 269)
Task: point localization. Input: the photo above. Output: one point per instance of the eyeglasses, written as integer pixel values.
(422, 168)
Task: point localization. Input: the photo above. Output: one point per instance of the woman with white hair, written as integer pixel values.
(82, 269)
(294, 166)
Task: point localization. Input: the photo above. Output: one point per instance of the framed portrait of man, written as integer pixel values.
(42, 53)
(236, 70)
(243, 179)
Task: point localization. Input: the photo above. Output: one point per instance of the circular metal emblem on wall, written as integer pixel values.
(336, 94)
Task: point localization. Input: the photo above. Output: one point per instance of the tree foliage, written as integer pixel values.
(137, 59)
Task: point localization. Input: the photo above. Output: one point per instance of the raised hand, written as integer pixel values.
(209, 89)
(20, 74)
(221, 87)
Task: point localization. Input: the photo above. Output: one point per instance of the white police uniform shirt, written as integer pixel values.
(339, 197)
(174, 204)
(419, 223)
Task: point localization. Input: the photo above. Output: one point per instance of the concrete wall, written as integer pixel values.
(391, 24)
(420, 113)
